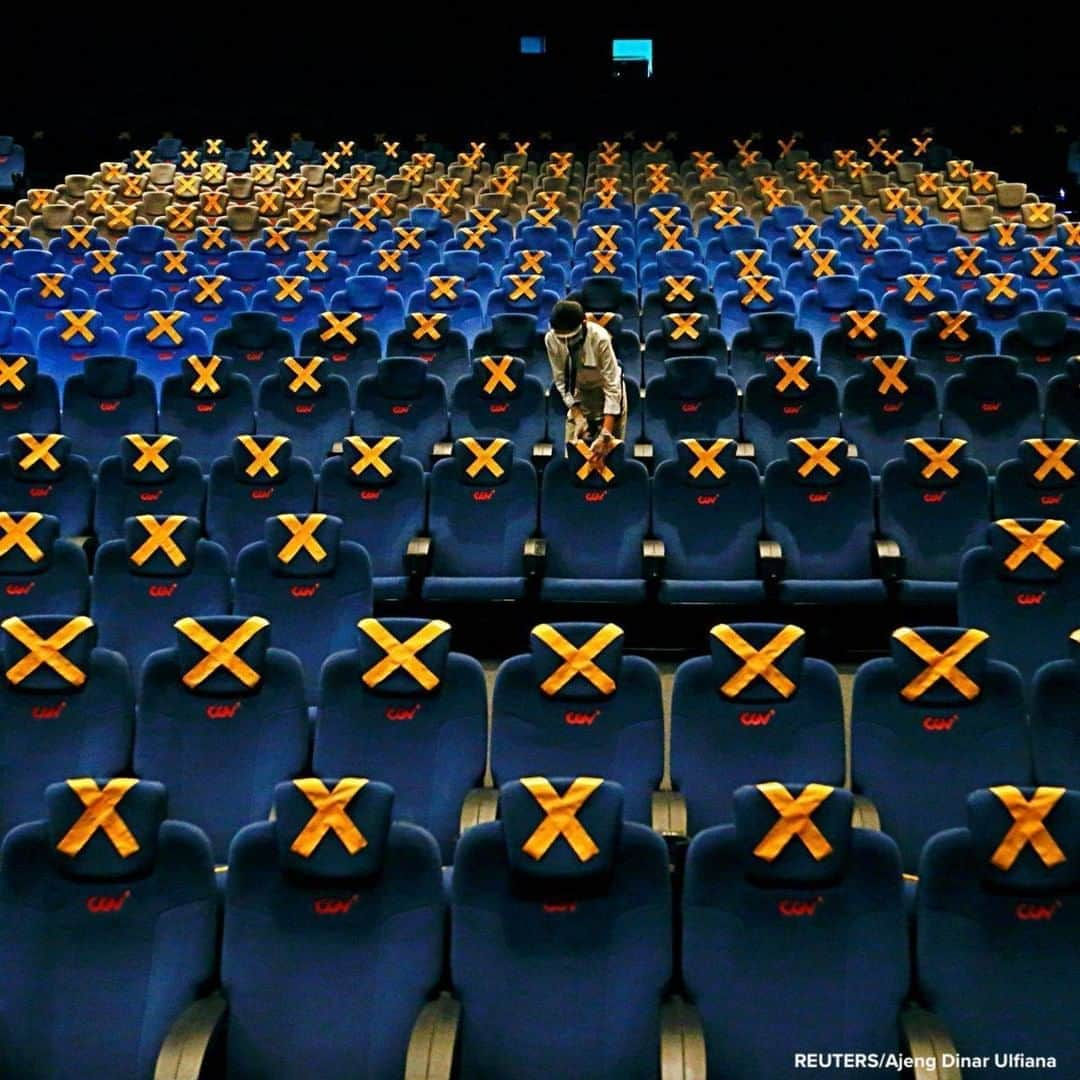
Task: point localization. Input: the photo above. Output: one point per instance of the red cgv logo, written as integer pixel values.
(333, 905)
(484, 494)
(167, 355)
(162, 592)
(953, 358)
(792, 410)
(498, 407)
(19, 588)
(799, 909)
(939, 723)
(205, 406)
(1028, 912)
(933, 496)
(691, 406)
(108, 406)
(400, 410)
(818, 496)
(396, 712)
(339, 357)
(222, 712)
(255, 354)
(371, 493)
(40, 492)
(11, 406)
(707, 500)
(1050, 500)
(560, 909)
(301, 591)
(990, 406)
(262, 493)
(756, 719)
(582, 719)
(595, 496)
(48, 712)
(107, 905)
(149, 496)
(1043, 357)
(303, 410)
(1030, 599)
(892, 408)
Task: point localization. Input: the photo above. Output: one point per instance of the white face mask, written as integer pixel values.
(572, 338)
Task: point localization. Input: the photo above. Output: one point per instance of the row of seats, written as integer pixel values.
(336, 904)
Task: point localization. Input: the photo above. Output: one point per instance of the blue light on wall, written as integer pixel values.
(531, 45)
(633, 49)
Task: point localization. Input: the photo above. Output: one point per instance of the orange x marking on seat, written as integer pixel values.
(817, 184)
(609, 158)
(330, 815)
(804, 237)
(337, 326)
(601, 318)
(549, 199)
(497, 374)
(952, 325)
(747, 158)
(608, 185)
(444, 286)
(204, 374)
(1044, 262)
(892, 198)
(725, 216)
(348, 187)
(50, 285)
(484, 457)
(921, 145)
(175, 263)
(705, 457)
(371, 457)
(364, 174)
(99, 813)
(940, 664)
(577, 660)
(870, 235)
(786, 145)
(119, 217)
(524, 285)
(131, 187)
(757, 288)
(77, 236)
(1071, 230)
(97, 201)
(522, 147)
(560, 171)
(877, 146)
(967, 260)
(1000, 285)
(159, 537)
(402, 654)
(9, 372)
(38, 198)
(315, 262)
(796, 816)
(289, 288)
(262, 173)
(890, 157)
(305, 219)
(823, 262)
(180, 218)
(213, 146)
(741, 145)
(685, 325)
(346, 147)
(1032, 542)
(449, 185)
(17, 533)
(427, 326)
(951, 198)
(603, 262)
(791, 373)
(262, 457)
(407, 238)
(214, 172)
(383, 201)
(503, 185)
(111, 171)
(663, 217)
(143, 158)
(927, 182)
(850, 214)
(259, 147)
(958, 170)
(530, 261)
(679, 288)
(48, 651)
(982, 182)
(843, 158)
(544, 218)
(719, 201)
(413, 174)
(304, 373)
(590, 466)
(221, 653)
(560, 817)
(701, 157)
(708, 170)
(364, 219)
(1053, 458)
(302, 537)
(859, 169)
(276, 238)
(913, 215)
(818, 457)
(283, 159)
(776, 198)
(40, 450)
(918, 288)
(605, 200)
(939, 460)
(805, 170)
(150, 452)
(331, 159)
(188, 185)
(268, 202)
(766, 184)
(1028, 826)
(389, 259)
(78, 323)
(189, 159)
(671, 237)
(660, 185)
(890, 374)
(164, 324)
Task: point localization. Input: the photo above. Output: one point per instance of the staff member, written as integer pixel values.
(588, 378)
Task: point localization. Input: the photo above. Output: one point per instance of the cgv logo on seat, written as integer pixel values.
(792, 410)
(41, 492)
(303, 410)
(107, 905)
(940, 723)
(756, 719)
(222, 712)
(498, 407)
(818, 496)
(150, 496)
(206, 406)
(933, 496)
(254, 354)
(11, 406)
(1028, 912)
(892, 407)
(990, 406)
(19, 588)
(707, 500)
(262, 493)
(302, 591)
(371, 493)
(595, 496)
(400, 410)
(560, 909)
(333, 905)
(162, 592)
(484, 494)
(1050, 500)
(691, 406)
(396, 712)
(796, 909)
(108, 406)
(1030, 599)
(582, 719)
(48, 712)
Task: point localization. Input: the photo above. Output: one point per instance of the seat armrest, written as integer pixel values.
(542, 453)
(337, 447)
(184, 1052)
(865, 814)
(535, 553)
(434, 1036)
(442, 450)
(652, 555)
(478, 808)
(669, 813)
(852, 450)
(745, 450)
(890, 560)
(417, 556)
(770, 560)
(682, 1042)
(925, 1039)
(643, 451)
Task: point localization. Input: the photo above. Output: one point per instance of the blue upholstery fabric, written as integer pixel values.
(945, 342)
(403, 398)
(514, 334)
(41, 574)
(254, 342)
(688, 336)
(127, 299)
(722, 740)
(809, 405)
(152, 930)
(483, 404)
(160, 355)
(616, 735)
(860, 335)
(833, 295)
(346, 340)
(58, 483)
(29, 400)
(60, 358)
(517, 939)
(1034, 484)
(939, 745)
(691, 399)
(429, 744)
(1042, 341)
(1053, 718)
(768, 334)
(211, 301)
(444, 350)
(36, 306)
(1063, 402)
(292, 300)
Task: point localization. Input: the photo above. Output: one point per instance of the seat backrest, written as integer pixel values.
(1044, 478)
(790, 398)
(40, 473)
(996, 927)
(932, 718)
(691, 399)
(733, 724)
(947, 339)
(769, 334)
(421, 724)
(1063, 402)
(222, 719)
(307, 894)
(105, 884)
(254, 342)
(499, 399)
(530, 908)
(1053, 718)
(346, 341)
(40, 574)
(755, 888)
(403, 398)
(606, 719)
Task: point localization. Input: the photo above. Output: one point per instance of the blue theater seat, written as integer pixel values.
(482, 507)
(19, 264)
(72, 244)
(683, 335)
(304, 575)
(935, 503)
(422, 724)
(211, 301)
(127, 299)
(163, 341)
(498, 399)
(103, 884)
(1044, 478)
(379, 289)
(677, 294)
(918, 298)
(258, 479)
(514, 334)
(247, 270)
(768, 334)
(40, 473)
(363, 893)
(690, 399)
(1062, 419)
(64, 347)
(403, 398)
(432, 338)
(598, 900)
(757, 706)
(523, 294)
(938, 717)
(1000, 300)
(824, 307)
(576, 699)
(349, 245)
(450, 294)
(947, 339)
(173, 272)
(141, 244)
(13, 339)
(803, 276)
(1055, 691)
(325, 275)
(753, 297)
(211, 245)
(292, 300)
(36, 306)
(28, 399)
(40, 573)
(346, 341)
(157, 571)
(150, 475)
(860, 335)
(222, 719)
(1042, 342)
(880, 277)
(255, 343)
(206, 406)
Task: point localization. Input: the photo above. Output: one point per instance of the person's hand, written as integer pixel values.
(600, 448)
(580, 423)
